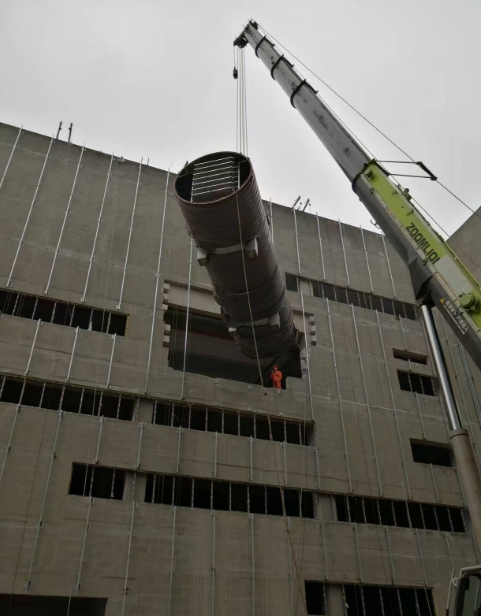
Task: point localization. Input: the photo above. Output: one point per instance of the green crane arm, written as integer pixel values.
(439, 277)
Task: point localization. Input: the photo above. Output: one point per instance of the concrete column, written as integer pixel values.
(145, 410)
(335, 600)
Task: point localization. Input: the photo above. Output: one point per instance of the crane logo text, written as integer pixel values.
(423, 243)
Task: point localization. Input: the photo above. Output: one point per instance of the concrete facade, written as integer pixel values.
(82, 227)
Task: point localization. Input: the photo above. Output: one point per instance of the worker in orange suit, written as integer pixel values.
(276, 377)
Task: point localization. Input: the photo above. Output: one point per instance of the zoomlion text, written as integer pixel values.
(423, 243)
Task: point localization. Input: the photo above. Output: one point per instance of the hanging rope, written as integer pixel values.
(239, 74)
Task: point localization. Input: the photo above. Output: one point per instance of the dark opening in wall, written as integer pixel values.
(97, 481)
(292, 283)
(315, 598)
(221, 495)
(388, 600)
(23, 605)
(431, 454)
(417, 358)
(194, 417)
(62, 313)
(356, 298)
(362, 509)
(212, 351)
(418, 383)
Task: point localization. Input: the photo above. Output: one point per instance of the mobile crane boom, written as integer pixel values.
(439, 277)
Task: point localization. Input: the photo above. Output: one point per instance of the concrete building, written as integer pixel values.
(139, 479)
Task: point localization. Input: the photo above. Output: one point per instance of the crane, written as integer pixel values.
(439, 277)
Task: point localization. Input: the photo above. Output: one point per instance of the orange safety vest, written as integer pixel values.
(276, 377)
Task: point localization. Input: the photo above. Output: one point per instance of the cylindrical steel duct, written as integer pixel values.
(220, 201)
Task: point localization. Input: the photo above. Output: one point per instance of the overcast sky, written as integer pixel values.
(153, 79)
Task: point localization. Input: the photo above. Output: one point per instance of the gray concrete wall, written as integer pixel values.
(190, 561)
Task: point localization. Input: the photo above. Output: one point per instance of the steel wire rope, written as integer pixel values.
(96, 383)
(363, 117)
(36, 466)
(268, 415)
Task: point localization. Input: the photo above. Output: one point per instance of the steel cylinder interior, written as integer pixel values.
(220, 201)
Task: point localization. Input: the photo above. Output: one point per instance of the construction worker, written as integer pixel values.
(276, 377)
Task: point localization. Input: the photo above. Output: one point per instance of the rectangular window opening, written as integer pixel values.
(183, 492)
(197, 418)
(291, 502)
(231, 423)
(418, 383)
(257, 499)
(274, 501)
(292, 283)
(424, 453)
(220, 495)
(239, 497)
(214, 421)
(409, 355)
(315, 598)
(202, 489)
(212, 350)
(71, 399)
(12, 390)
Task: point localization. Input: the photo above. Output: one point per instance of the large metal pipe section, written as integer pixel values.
(459, 437)
(220, 201)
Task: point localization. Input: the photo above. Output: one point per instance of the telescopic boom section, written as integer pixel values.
(439, 277)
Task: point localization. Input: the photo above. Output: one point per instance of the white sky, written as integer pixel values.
(153, 79)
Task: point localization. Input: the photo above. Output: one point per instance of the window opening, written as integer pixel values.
(220, 496)
(202, 489)
(212, 350)
(61, 313)
(292, 283)
(457, 520)
(291, 502)
(52, 395)
(387, 600)
(409, 355)
(225, 496)
(239, 497)
(214, 421)
(106, 482)
(72, 397)
(274, 501)
(429, 517)
(329, 292)
(341, 295)
(418, 383)
(386, 511)
(388, 306)
(231, 423)
(90, 402)
(415, 515)
(81, 317)
(12, 390)
(431, 454)
(183, 492)
(257, 499)
(246, 424)
(197, 418)
(315, 598)
(353, 297)
(262, 428)
(293, 432)
(32, 394)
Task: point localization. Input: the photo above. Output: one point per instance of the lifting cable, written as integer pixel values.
(378, 130)
(239, 75)
(284, 515)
